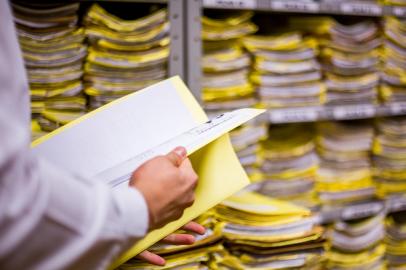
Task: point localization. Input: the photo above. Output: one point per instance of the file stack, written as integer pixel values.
(225, 79)
(395, 240)
(351, 59)
(193, 257)
(286, 72)
(290, 164)
(124, 55)
(246, 141)
(345, 172)
(225, 63)
(357, 244)
(53, 51)
(393, 77)
(389, 156)
(264, 233)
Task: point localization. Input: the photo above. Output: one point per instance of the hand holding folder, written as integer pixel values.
(109, 143)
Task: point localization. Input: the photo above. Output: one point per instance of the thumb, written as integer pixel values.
(177, 155)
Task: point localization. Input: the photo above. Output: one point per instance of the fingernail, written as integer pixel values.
(180, 151)
(191, 239)
(162, 262)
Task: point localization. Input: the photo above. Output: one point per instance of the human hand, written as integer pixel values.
(167, 184)
(174, 239)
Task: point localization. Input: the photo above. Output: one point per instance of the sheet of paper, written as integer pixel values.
(117, 132)
(192, 140)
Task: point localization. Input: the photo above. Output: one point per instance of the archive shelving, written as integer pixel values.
(194, 10)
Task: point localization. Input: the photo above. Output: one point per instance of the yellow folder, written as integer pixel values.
(135, 123)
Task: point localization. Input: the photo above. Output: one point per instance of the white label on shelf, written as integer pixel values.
(361, 8)
(295, 6)
(399, 11)
(233, 4)
(398, 204)
(397, 108)
(362, 210)
(293, 115)
(354, 112)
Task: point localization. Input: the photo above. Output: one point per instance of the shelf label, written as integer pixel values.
(398, 204)
(295, 6)
(232, 4)
(360, 8)
(397, 108)
(362, 210)
(354, 112)
(399, 11)
(293, 115)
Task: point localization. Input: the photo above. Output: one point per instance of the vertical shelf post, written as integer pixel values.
(193, 46)
(177, 49)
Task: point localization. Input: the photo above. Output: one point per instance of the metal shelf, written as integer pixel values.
(346, 8)
(342, 112)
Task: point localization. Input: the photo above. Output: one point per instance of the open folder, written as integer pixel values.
(109, 143)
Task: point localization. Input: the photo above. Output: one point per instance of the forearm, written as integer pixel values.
(52, 220)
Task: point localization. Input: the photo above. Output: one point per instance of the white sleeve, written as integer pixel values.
(49, 218)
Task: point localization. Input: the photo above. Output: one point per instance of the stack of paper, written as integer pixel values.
(190, 257)
(290, 164)
(286, 72)
(225, 63)
(345, 174)
(395, 240)
(53, 51)
(190, 260)
(357, 244)
(246, 141)
(393, 86)
(389, 156)
(124, 55)
(351, 60)
(264, 233)
(225, 83)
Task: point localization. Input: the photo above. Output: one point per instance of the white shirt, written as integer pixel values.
(50, 218)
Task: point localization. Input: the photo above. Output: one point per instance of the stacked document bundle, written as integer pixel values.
(357, 244)
(264, 233)
(393, 76)
(389, 156)
(225, 80)
(395, 240)
(345, 173)
(286, 72)
(193, 257)
(351, 60)
(124, 55)
(225, 63)
(53, 51)
(246, 141)
(290, 164)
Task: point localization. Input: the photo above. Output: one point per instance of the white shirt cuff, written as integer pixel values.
(134, 210)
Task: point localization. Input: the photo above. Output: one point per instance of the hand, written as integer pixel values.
(167, 184)
(174, 239)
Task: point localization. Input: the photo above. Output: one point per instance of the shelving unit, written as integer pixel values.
(288, 115)
(304, 114)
